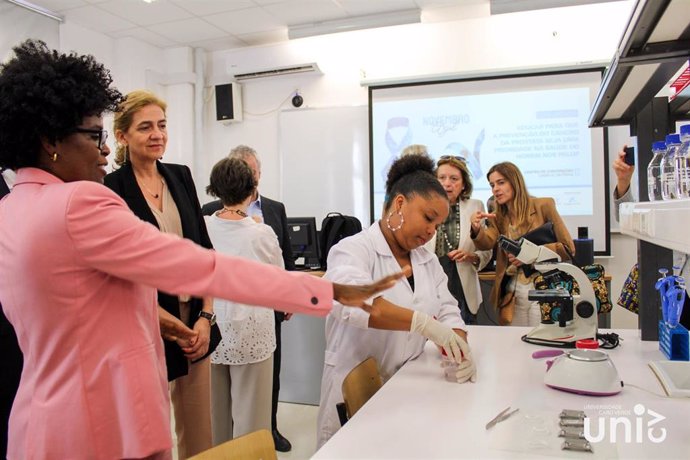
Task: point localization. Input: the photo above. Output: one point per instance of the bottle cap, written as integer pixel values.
(672, 139)
(685, 130)
(660, 145)
(589, 344)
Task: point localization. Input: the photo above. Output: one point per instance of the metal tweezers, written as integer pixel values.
(504, 414)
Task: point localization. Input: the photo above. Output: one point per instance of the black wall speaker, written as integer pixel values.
(228, 102)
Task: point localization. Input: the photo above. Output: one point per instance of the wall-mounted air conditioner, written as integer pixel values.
(287, 70)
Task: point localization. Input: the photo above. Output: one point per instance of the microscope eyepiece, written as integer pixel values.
(508, 245)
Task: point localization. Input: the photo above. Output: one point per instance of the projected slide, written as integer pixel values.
(536, 124)
(544, 132)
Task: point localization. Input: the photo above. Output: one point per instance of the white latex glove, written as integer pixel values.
(462, 372)
(441, 335)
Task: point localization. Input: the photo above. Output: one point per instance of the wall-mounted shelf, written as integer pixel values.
(664, 223)
(655, 44)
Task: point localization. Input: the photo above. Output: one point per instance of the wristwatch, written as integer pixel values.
(211, 317)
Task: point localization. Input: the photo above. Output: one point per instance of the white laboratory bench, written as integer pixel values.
(419, 415)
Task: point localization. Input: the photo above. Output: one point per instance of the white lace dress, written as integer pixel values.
(248, 332)
(242, 364)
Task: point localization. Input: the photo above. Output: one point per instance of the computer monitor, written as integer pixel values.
(304, 242)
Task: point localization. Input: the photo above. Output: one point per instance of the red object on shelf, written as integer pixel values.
(680, 84)
(590, 344)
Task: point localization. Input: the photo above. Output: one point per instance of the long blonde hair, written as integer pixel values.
(124, 115)
(521, 198)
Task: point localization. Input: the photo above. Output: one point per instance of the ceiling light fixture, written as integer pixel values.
(38, 9)
(395, 18)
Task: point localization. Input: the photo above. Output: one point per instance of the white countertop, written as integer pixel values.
(418, 414)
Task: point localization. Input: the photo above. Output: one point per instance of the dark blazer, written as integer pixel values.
(12, 363)
(4, 189)
(179, 181)
(275, 217)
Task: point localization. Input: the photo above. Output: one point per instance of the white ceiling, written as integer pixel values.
(224, 24)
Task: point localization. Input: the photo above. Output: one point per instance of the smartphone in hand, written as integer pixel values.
(629, 158)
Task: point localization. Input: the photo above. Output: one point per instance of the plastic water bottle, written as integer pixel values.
(654, 171)
(683, 164)
(668, 167)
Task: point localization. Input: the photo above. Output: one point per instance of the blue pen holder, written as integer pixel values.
(674, 342)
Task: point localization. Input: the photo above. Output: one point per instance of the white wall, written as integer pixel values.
(18, 24)
(136, 65)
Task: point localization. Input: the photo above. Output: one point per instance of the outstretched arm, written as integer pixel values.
(624, 173)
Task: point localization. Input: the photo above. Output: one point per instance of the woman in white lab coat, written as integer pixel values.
(415, 204)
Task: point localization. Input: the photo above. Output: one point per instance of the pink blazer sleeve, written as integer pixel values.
(110, 238)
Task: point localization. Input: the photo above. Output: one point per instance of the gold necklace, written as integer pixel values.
(239, 212)
(155, 195)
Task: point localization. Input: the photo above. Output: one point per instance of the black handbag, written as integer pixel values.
(543, 234)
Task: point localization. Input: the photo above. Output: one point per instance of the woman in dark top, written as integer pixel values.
(164, 195)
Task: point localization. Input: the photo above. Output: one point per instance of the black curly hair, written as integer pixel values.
(232, 180)
(412, 175)
(45, 94)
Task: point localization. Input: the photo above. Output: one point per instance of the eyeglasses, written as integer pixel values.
(101, 133)
(452, 157)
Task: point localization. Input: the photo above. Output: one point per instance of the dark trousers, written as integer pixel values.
(455, 288)
(279, 316)
(10, 373)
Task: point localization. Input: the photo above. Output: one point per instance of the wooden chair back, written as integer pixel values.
(257, 445)
(360, 385)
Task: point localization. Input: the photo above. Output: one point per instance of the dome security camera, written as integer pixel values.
(297, 100)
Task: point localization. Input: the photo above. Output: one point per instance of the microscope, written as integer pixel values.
(577, 314)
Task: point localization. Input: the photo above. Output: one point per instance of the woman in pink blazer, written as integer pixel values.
(79, 273)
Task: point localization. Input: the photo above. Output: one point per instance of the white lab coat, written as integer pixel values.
(362, 259)
(466, 271)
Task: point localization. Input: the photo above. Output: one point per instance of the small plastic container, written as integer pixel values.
(450, 367)
(673, 342)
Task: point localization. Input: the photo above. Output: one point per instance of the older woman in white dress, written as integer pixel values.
(242, 364)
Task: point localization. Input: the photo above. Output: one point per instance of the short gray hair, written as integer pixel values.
(243, 152)
(414, 149)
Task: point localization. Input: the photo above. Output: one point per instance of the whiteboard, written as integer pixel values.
(324, 162)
